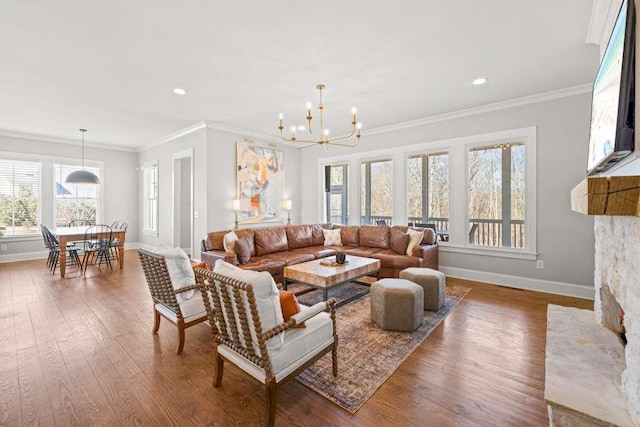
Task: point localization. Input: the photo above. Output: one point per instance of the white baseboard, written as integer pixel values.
(26, 256)
(548, 286)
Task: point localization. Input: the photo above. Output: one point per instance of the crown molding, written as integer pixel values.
(207, 124)
(240, 131)
(603, 17)
(517, 102)
(61, 140)
(175, 135)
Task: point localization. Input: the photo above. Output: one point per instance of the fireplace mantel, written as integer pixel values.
(607, 195)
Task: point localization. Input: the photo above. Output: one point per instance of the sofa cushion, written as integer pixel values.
(270, 240)
(332, 237)
(390, 259)
(248, 234)
(374, 236)
(361, 251)
(290, 257)
(213, 241)
(299, 236)
(322, 251)
(272, 266)
(349, 235)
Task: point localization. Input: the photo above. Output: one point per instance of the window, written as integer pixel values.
(376, 192)
(150, 178)
(19, 197)
(497, 195)
(336, 191)
(428, 189)
(74, 203)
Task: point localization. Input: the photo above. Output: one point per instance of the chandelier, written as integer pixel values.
(322, 135)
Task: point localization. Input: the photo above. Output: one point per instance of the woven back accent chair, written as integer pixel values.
(271, 356)
(184, 313)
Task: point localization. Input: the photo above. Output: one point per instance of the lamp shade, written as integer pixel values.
(236, 205)
(286, 205)
(82, 177)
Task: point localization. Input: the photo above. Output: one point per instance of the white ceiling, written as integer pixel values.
(110, 66)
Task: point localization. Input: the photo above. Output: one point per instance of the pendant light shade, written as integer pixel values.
(82, 176)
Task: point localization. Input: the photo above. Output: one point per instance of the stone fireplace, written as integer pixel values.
(617, 286)
(592, 378)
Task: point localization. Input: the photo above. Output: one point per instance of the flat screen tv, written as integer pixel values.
(612, 106)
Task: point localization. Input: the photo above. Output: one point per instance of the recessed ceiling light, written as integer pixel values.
(479, 81)
(179, 91)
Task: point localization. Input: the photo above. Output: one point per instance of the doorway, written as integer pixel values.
(183, 200)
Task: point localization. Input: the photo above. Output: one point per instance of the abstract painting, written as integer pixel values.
(260, 178)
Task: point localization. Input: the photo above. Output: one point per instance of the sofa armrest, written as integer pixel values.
(429, 255)
(210, 257)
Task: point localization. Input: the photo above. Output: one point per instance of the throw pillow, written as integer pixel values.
(415, 239)
(289, 306)
(229, 241)
(267, 299)
(332, 237)
(201, 264)
(243, 251)
(429, 236)
(401, 243)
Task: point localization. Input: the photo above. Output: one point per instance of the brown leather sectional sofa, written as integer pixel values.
(274, 248)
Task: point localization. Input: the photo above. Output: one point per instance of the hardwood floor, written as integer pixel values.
(79, 351)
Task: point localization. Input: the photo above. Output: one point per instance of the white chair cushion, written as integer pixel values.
(267, 300)
(191, 309)
(180, 271)
(332, 237)
(415, 237)
(300, 345)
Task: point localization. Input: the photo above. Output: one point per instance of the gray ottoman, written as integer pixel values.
(396, 304)
(432, 282)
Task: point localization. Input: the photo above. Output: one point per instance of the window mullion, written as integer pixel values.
(506, 197)
(425, 189)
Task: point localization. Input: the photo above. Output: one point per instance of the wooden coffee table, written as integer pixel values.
(325, 277)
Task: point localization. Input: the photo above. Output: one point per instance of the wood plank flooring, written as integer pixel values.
(79, 351)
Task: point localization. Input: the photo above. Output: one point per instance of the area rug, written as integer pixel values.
(367, 355)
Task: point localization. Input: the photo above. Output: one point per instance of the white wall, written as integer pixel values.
(222, 176)
(214, 182)
(119, 189)
(197, 141)
(565, 240)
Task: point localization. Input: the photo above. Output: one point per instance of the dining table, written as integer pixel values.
(73, 234)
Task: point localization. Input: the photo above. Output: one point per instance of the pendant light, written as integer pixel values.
(82, 176)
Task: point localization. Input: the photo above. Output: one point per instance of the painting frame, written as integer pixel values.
(260, 183)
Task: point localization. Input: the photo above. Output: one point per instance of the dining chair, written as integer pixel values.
(248, 335)
(97, 241)
(52, 244)
(184, 313)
